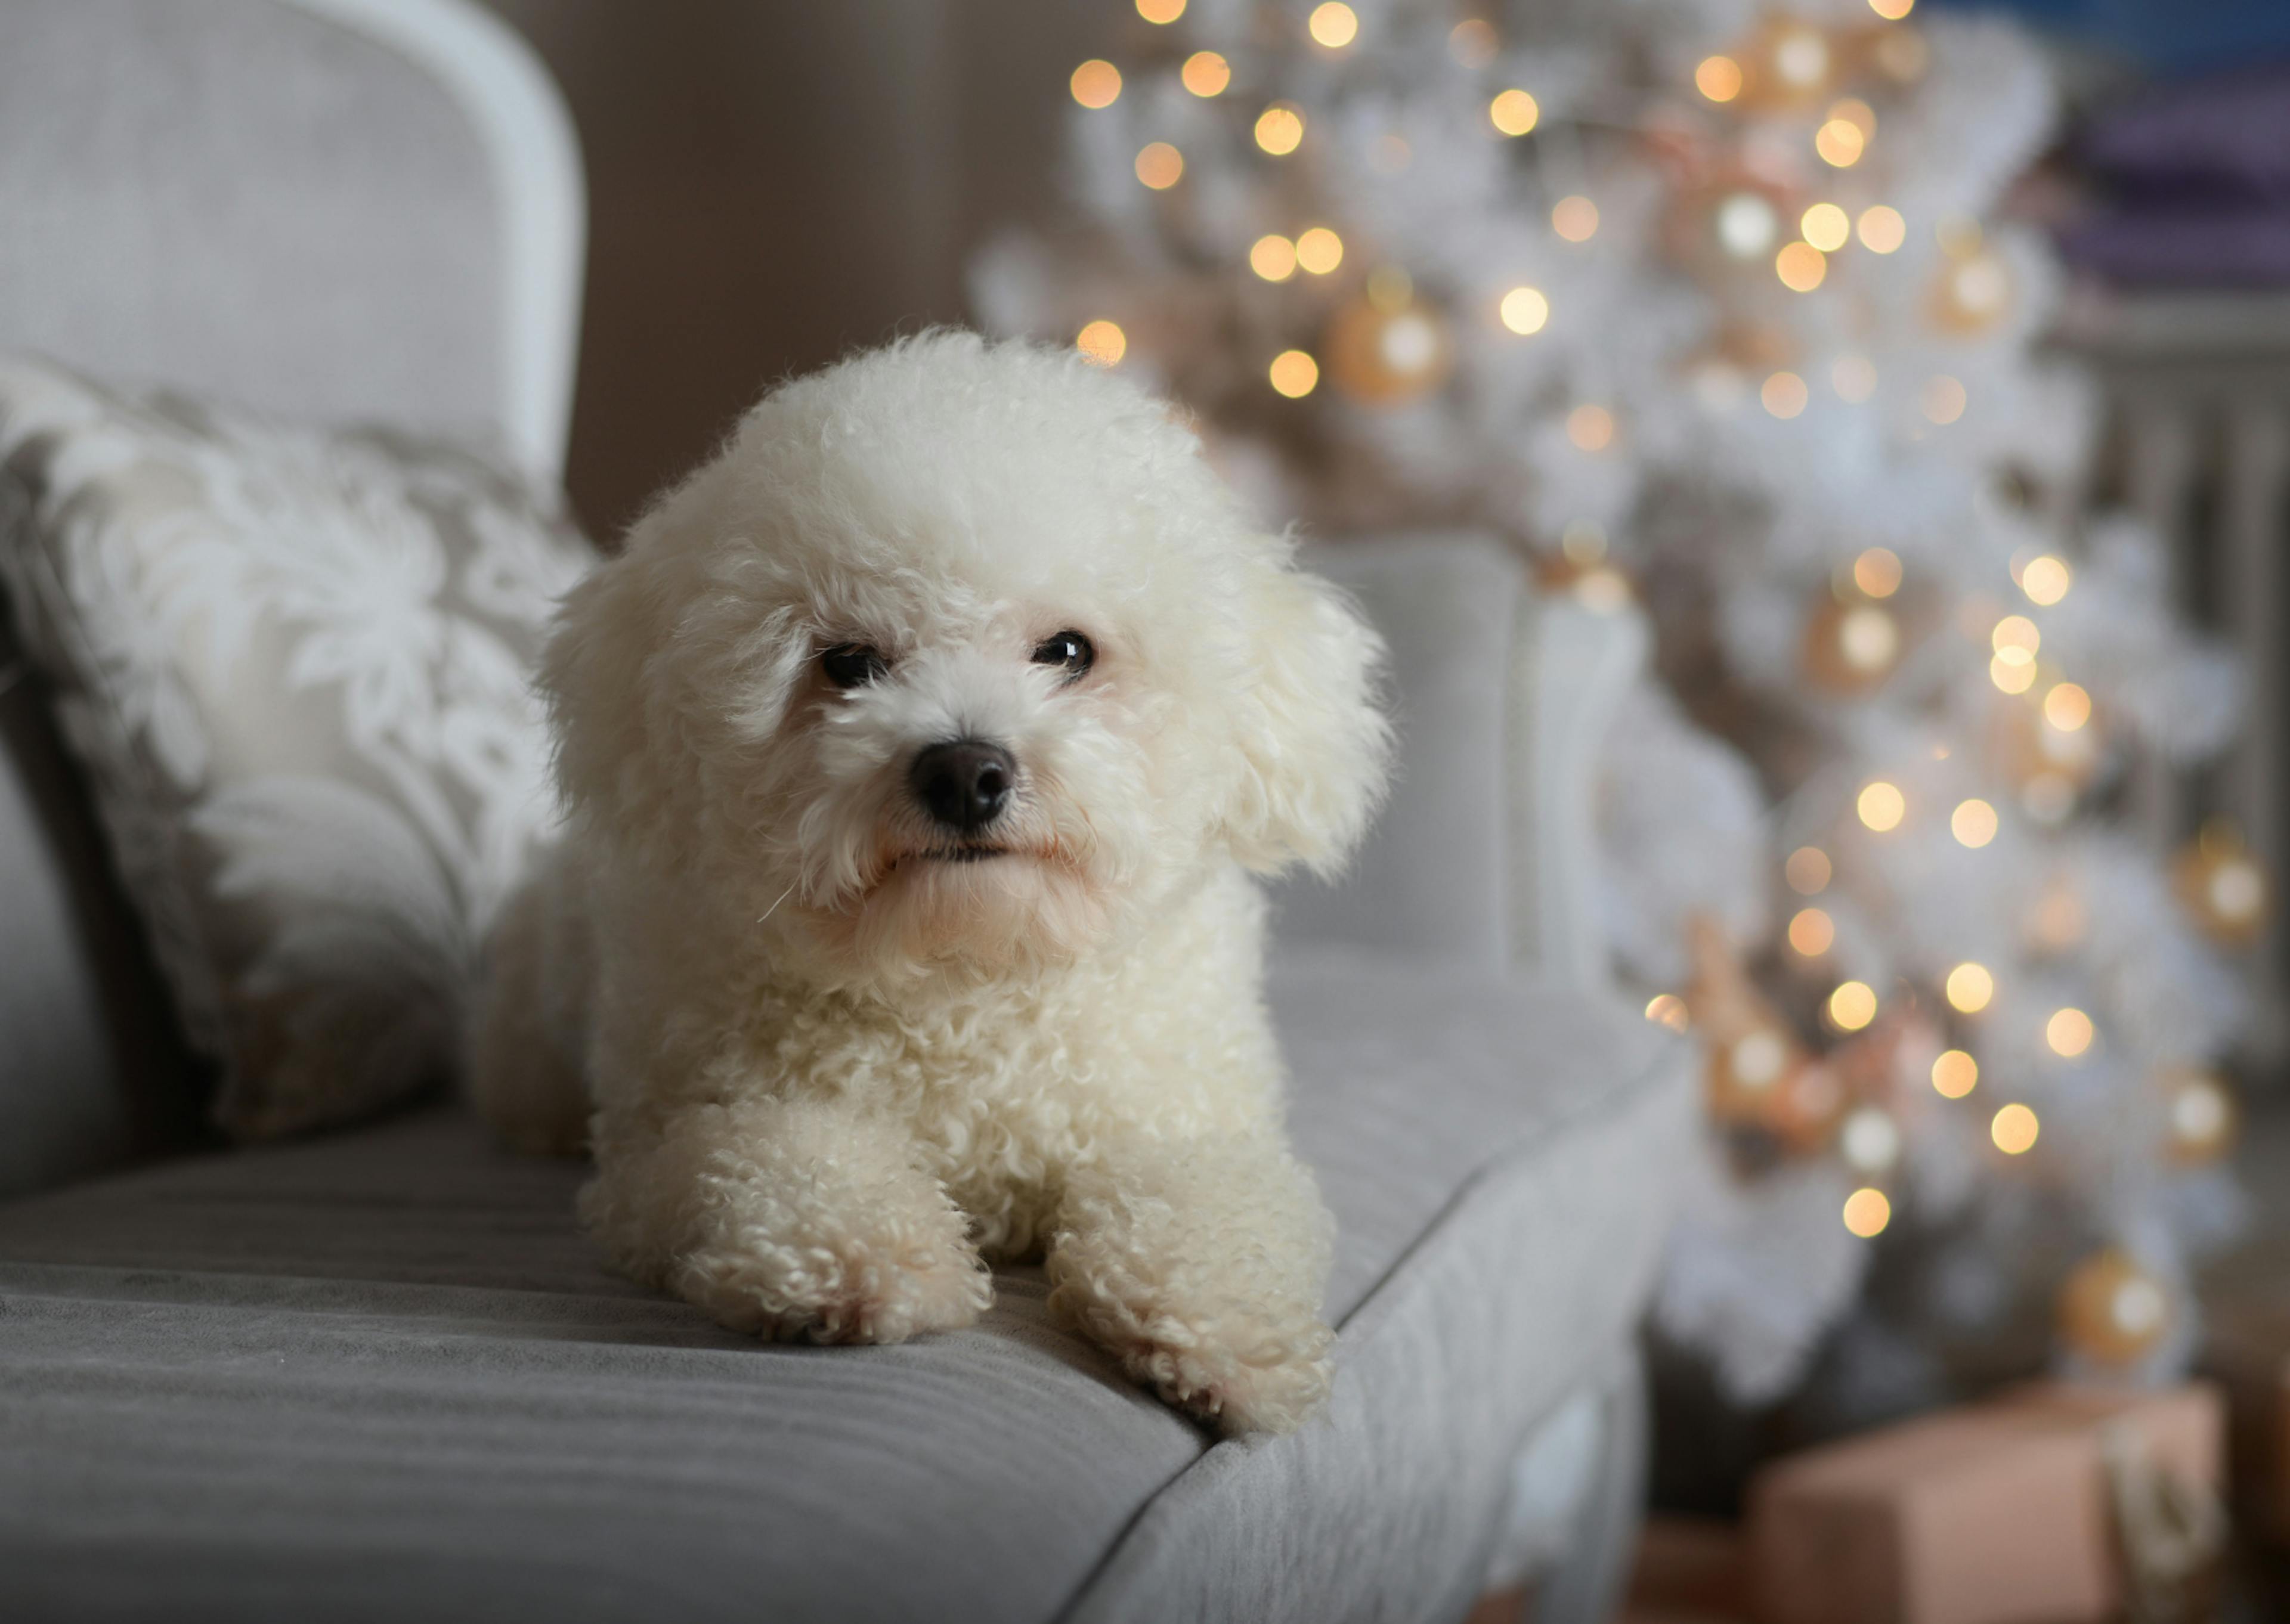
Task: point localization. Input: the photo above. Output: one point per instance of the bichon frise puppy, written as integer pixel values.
(919, 749)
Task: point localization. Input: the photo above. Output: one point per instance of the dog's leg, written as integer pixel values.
(787, 1218)
(1201, 1266)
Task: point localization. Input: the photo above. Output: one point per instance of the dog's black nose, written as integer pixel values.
(965, 782)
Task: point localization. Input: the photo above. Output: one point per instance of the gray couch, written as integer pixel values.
(380, 1375)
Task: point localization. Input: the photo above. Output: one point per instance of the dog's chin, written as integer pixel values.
(969, 911)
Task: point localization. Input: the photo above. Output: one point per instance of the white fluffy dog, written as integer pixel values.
(919, 750)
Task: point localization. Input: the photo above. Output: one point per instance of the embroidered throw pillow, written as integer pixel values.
(295, 666)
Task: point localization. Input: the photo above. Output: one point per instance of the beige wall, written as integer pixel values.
(773, 181)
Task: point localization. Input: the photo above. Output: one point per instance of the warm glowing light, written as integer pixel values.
(2015, 1130)
(1590, 428)
(1205, 74)
(1719, 77)
(1102, 342)
(2016, 638)
(2069, 1032)
(1853, 378)
(1944, 399)
(1839, 142)
(1160, 165)
(2067, 707)
(1970, 987)
(1869, 639)
(1866, 1212)
(1280, 129)
(1801, 57)
(1095, 83)
(1575, 219)
(2012, 676)
(1870, 1141)
(1955, 1074)
(1878, 572)
(1826, 226)
(1759, 1060)
(1882, 229)
(1335, 25)
(1801, 267)
(1272, 257)
(1319, 250)
(1294, 373)
(1161, 11)
(1807, 871)
(1472, 43)
(1892, 11)
(1852, 1005)
(2046, 580)
(1514, 112)
(1784, 394)
(1972, 823)
(1668, 1010)
(1811, 932)
(1882, 806)
(1525, 310)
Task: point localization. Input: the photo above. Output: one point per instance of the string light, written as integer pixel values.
(1294, 373)
(1590, 428)
(1095, 83)
(1944, 399)
(1746, 225)
(1839, 142)
(1882, 229)
(2014, 1128)
(1801, 57)
(1784, 394)
(1472, 43)
(1319, 250)
(1807, 871)
(1161, 11)
(1867, 1212)
(1205, 74)
(1801, 267)
(1877, 572)
(1852, 1005)
(1525, 310)
(1335, 25)
(1972, 823)
(1719, 77)
(1514, 112)
(1280, 129)
(2011, 675)
(1575, 219)
(1160, 165)
(2069, 1032)
(1826, 226)
(2016, 640)
(1811, 932)
(1853, 378)
(1970, 987)
(2067, 707)
(2045, 579)
(1882, 806)
(1892, 11)
(1103, 342)
(1955, 1074)
(1272, 257)
(1668, 1010)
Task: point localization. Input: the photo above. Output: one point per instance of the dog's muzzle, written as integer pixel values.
(963, 783)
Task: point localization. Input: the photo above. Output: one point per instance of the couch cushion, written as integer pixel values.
(382, 1375)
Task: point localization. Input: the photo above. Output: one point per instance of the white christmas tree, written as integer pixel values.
(1700, 303)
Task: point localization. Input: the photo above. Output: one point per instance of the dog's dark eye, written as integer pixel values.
(1069, 649)
(853, 665)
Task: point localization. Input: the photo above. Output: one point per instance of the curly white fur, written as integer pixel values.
(830, 1075)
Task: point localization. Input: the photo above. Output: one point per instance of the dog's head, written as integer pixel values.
(958, 658)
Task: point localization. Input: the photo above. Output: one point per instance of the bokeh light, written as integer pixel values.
(1955, 1074)
(1882, 805)
(1294, 373)
(1096, 83)
(1103, 342)
(1525, 310)
(2014, 1128)
(1970, 987)
(1514, 112)
(1972, 823)
(1867, 1212)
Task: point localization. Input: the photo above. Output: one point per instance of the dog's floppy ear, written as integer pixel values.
(1314, 744)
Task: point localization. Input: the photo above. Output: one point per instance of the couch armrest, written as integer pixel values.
(1573, 664)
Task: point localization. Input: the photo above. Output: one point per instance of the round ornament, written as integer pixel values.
(2225, 888)
(1849, 648)
(2111, 1311)
(2199, 1116)
(1388, 356)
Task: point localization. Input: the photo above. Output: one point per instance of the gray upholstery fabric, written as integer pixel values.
(1430, 881)
(380, 1377)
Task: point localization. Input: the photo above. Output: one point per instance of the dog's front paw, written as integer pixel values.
(844, 1289)
(1260, 1389)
